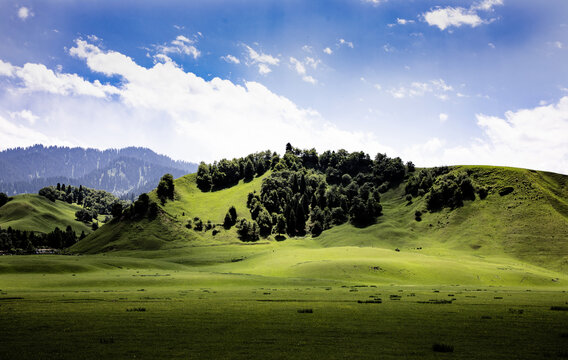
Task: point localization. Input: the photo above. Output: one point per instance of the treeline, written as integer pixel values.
(226, 173)
(309, 193)
(93, 201)
(27, 242)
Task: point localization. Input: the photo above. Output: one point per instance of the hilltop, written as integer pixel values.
(131, 170)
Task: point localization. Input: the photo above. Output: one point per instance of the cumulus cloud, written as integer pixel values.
(263, 61)
(37, 77)
(231, 59)
(171, 111)
(328, 51)
(24, 13)
(443, 117)
(530, 138)
(448, 17)
(180, 45)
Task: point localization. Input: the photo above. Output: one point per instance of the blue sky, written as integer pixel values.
(435, 82)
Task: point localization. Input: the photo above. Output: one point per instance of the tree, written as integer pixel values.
(3, 199)
(248, 170)
(116, 210)
(316, 229)
(165, 188)
(203, 179)
(152, 210)
(141, 205)
(264, 221)
(280, 227)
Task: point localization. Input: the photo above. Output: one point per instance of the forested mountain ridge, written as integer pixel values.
(120, 171)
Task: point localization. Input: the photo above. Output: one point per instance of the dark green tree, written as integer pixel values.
(203, 179)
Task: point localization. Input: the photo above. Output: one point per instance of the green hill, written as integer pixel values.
(36, 213)
(515, 239)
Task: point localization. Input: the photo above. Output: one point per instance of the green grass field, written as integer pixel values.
(32, 212)
(488, 280)
(110, 306)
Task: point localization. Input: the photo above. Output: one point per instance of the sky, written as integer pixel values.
(436, 82)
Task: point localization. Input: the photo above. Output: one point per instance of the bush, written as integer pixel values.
(418, 215)
(443, 348)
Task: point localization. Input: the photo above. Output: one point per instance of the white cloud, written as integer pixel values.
(328, 51)
(438, 88)
(231, 59)
(263, 69)
(558, 45)
(487, 5)
(264, 61)
(343, 42)
(312, 62)
(300, 68)
(24, 13)
(26, 115)
(400, 21)
(6, 69)
(309, 79)
(307, 48)
(447, 17)
(37, 77)
(173, 112)
(378, 87)
(491, 45)
(444, 18)
(388, 48)
(443, 117)
(180, 45)
(529, 138)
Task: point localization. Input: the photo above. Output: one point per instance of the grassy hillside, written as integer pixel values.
(512, 240)
(32, 212)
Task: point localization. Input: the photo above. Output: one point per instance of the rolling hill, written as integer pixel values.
(515, 239)
(30, 212)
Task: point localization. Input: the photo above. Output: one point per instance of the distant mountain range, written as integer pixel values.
(124, 172)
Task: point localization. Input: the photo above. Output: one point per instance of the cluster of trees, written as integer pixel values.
(226, 173)
(97, 201)
(308, 193)
(26, 242)
(443, 189)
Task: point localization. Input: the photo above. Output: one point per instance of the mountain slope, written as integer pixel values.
(133, 169)
(32, 212)
(510, 236)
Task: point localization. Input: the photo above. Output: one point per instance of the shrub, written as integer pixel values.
(442, 348)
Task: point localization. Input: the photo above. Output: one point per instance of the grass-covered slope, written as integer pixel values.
(169, 230)
(512, 240)
(32, 212)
